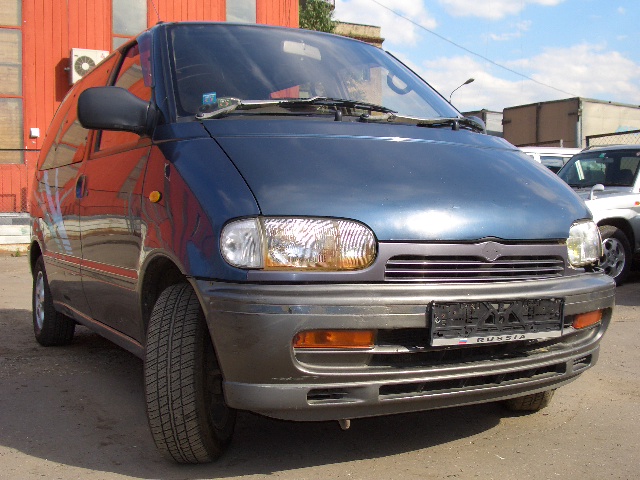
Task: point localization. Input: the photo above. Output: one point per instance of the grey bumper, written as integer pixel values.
(252, 327)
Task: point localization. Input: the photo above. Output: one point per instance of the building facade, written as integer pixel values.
(37, 66)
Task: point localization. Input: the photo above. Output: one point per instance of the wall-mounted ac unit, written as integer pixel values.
(83, 60)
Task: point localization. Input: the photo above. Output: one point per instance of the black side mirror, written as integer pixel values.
(114, 108)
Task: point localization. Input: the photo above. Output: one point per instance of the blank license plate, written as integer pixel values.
(478, 323)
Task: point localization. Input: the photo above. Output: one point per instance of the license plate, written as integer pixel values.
(481, 323)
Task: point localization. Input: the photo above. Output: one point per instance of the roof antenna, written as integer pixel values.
(156, 10)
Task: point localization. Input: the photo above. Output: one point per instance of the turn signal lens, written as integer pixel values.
(584, 320)
(347, 339)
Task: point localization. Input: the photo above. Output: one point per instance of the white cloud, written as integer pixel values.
(394, 28)
(518, 29)
(583, 70)
(622, 10)
(491, 9)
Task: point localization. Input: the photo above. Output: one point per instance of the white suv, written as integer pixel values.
(607, 179)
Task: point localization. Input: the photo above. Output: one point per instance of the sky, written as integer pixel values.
(517, 51)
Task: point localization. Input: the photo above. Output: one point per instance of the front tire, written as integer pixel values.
(529, 403)
(616, 249)
(50, 327)
(189, 419)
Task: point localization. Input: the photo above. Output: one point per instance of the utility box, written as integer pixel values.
(567, 123)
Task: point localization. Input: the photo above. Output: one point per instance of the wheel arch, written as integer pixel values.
(621, 224)
(34, 253)
(159, 273)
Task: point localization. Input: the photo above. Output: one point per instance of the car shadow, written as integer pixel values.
(83, 405)
(628, 294)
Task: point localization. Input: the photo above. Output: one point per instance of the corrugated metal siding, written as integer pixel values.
(277, 12)
(186, 10)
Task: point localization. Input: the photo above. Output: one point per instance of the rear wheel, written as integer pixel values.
(530, 403)
(189, 419)
(616, 249)
(50, 327)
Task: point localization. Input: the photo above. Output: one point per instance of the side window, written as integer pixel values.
(130, 77)
(69, 143)
(69, 137)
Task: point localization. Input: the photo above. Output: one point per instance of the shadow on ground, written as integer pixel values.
(83, 405)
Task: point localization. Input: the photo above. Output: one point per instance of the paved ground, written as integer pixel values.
(78, 412)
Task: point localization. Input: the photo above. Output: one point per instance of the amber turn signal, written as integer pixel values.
(346, 339)
(584, 320)
(155, 196)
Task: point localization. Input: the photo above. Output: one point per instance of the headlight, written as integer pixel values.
(584, 245)
(298, 243)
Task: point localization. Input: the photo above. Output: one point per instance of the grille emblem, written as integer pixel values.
(491, 251)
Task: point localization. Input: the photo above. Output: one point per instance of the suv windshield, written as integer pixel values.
(610, 168)
(223, 61)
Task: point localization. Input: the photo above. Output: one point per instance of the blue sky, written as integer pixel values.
(587, 48)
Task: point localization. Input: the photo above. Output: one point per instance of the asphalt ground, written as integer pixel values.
(78, 412)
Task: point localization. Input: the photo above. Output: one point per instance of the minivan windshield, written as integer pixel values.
(215, 62)
(614, 168)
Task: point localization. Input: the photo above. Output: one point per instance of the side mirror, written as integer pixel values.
(114, 108)
(598, 187)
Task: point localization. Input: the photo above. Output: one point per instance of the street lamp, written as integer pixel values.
(470, 80)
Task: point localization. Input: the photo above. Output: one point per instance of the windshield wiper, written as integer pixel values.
(454, 122)
(230, 105)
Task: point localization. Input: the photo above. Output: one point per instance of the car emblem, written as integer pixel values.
(491, 251)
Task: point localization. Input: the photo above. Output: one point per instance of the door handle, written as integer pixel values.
(81, 187)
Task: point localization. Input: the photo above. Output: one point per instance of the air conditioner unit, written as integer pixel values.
(83, 60)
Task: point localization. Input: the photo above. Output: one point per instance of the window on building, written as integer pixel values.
(243, 11)
(129, 18)
(11, 122)
(10, 12)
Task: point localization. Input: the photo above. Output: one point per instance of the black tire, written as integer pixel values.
(616, 260)
(530, 403)
(189, 419)
(51, 328)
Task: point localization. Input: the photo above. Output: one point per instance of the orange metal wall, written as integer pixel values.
(51, 28)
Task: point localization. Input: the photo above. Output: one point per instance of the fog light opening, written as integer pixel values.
(335, 339)
(584, 320)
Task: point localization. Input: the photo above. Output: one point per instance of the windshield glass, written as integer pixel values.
(610, 168)
(218, 61)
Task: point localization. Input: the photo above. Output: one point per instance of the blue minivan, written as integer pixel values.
(295, 224)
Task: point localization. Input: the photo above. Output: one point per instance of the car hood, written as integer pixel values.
(407, 183)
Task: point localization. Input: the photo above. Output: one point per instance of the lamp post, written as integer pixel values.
(470, 80)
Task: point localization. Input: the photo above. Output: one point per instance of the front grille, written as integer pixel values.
(461, 269)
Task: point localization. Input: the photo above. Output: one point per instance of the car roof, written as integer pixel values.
(613, 147)
(551, 150)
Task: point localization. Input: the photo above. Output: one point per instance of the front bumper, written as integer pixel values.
(252, 327)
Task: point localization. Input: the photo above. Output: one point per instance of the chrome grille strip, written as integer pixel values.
(471, 269)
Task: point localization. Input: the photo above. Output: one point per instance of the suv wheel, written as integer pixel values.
(49, 326)
(189, 419)
(616, 249)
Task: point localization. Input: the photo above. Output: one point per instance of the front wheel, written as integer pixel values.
(530, 403)
(616, 261)
(50, 327)
(189, 419)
